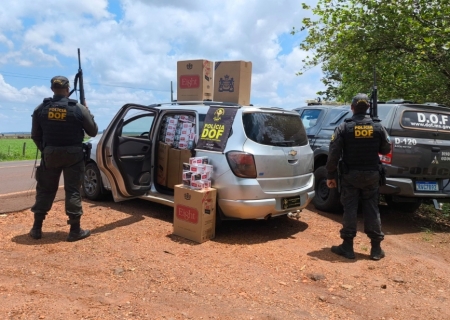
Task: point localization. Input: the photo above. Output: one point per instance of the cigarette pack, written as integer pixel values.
(198, 160)
(172, 121)
(198, 168)
(187, 175)
(196, 176)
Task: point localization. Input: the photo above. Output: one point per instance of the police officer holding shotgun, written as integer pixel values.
(354, 148)
(58, 128)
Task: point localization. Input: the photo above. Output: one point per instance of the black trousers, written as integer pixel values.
(356, 187)
(57, 160)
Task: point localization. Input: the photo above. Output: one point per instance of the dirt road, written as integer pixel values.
(132, 267)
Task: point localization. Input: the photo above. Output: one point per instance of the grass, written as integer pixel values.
(431, 219)
(17, 149)
(427, 234)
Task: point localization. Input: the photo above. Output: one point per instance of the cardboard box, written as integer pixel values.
(163, 158)
(175, 166)
(195, 80)
(232, 81)
(194, 213)
(173, 176)
(185, 155)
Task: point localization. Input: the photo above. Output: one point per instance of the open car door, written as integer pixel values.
(124, 153)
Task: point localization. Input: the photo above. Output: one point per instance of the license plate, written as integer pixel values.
(427, 186)
(291, 202)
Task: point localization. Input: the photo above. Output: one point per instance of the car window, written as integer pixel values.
(335, 116)
(425, 120)
(138, 124)
(275, 129)
(384, 110)
(309, 117)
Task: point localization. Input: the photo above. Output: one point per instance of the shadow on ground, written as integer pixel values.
(393, 222)
(231, 232)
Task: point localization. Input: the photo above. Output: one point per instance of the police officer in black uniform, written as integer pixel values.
(354, 147)
(58, 128)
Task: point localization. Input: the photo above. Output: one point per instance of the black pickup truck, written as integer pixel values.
(418, 166)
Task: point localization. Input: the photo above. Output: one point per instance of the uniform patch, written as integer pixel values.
(332, 137)
(58, 114)
(363, 131)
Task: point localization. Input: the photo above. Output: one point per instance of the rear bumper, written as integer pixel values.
(405, 188)
(260, 209)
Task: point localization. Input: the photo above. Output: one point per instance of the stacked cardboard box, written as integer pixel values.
(175, 165)
(195, 80)
(163, 160)
(194, 213)
(232, 81)
(176, 140)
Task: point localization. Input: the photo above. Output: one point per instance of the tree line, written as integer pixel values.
(408, 41)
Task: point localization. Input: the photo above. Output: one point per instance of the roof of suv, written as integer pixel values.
(203, 106)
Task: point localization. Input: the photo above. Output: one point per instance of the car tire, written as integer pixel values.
(326, 199)
(92, 182)
(405, 207)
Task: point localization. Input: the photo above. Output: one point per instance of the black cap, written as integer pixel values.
(360, 98)
(60, 82)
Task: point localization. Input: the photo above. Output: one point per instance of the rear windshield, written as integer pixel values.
(275, 129)
(425, 120)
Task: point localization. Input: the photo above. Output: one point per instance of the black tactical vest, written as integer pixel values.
(362, 142)
(61, 123)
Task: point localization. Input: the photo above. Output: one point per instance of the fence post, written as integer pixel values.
(23, 150)
(9, 148)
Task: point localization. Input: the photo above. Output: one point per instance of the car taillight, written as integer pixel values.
(386, 158)
(242, 164)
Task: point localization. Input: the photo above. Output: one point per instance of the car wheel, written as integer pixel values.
(326, 199)
(406, 207)
(92, 182)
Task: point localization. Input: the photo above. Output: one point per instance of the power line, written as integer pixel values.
(29, 76)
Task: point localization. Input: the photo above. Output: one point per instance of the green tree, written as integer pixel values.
(407, 40)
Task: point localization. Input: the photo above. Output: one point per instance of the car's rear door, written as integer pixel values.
(124, 152)
(278, 142)
(421, 146)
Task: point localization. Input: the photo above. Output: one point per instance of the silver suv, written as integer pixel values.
(265, 169)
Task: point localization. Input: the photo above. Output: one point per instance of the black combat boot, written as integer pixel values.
(36, 230)
(76, 233)
(376, 253)
(345, 249)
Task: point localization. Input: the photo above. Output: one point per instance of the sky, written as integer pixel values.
(130, 48)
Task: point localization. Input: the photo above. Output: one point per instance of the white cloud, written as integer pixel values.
(139, 48)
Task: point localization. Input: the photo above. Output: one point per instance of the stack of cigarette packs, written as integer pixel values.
(197, 173)
(178, 132)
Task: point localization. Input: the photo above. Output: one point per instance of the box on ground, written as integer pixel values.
(194, 213)
(176, 157)
(195, 80)
(232, 81)
(163, 158)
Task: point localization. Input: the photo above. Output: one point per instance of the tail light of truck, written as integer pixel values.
(242, 164)
(386, 158)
